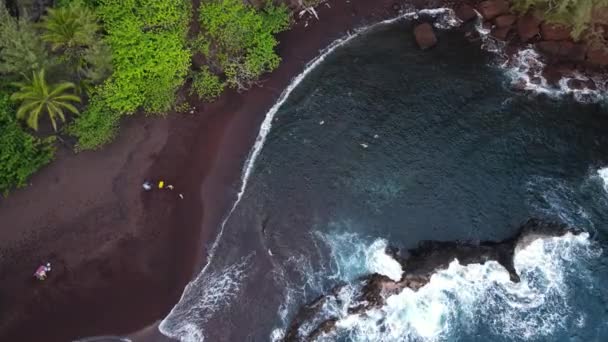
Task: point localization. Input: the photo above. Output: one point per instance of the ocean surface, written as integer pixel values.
(383, 144)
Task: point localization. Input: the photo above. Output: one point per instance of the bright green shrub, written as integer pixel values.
(96, 126)
(150, 56)
(150, 61)
(206, 85)
(240, 41)
(575, 13)
(20, 154)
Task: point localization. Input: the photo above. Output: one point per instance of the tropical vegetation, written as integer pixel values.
(37, 97)
(577, 14)
(238, 40)
(21, 154)
(86, 64)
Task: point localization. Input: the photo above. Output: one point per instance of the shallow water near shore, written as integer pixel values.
(383, 144)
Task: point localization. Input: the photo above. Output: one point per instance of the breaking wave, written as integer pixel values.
(206, 294)
(460, 299)
(185, 320)
(525, 70)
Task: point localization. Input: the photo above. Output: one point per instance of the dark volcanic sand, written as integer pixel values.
(121, 258)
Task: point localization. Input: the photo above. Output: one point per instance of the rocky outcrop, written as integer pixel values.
(425, 36)
(419, 265)
(465, 12)
(597, 55)
(500, 32)
(528, 27)
(506, 20)
(563, 50)
(491, 9)
(550, 31)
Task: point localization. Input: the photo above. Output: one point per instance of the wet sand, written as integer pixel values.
(121, 256)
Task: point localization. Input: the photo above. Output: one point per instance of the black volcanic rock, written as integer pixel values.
(419, 265)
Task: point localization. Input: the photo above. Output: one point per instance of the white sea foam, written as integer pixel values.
(603, 174)
(525, 70)
(192, 290)
(353, 257)
(462, 296)
(203, 297)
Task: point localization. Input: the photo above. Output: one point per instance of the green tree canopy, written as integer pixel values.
(239, 40)
(70, 27)
(575, 13)
(150, 56)
(21, 49)
(38, 98)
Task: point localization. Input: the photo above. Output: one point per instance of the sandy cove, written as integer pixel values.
(122, 257)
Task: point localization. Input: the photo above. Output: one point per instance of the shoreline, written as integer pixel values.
(127, 270)
(122, 257)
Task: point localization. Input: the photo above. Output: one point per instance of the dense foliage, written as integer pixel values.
(21, 49)
(238, 40)
(37, 97)
(150, 56)
(575, 13)
(73, 31)
(20, 154)
(150, 60)
(206, 85)
(96, 126)
(88, 63)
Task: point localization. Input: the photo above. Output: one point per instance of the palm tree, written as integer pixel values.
(38, 98)
(70, 27)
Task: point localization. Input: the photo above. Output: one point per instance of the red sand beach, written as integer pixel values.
(121, 257)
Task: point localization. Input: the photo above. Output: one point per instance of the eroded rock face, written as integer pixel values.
(563, 50)
(528, 27)
(491, 9)
(500, 32)
(419, 265)
(550, 31)
(425, 36)
(505, 20)
(597, 55)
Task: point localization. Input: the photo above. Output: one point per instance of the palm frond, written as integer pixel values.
(39, 97)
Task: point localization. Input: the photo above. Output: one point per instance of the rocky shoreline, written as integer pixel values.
(562, 60)
(419, 265)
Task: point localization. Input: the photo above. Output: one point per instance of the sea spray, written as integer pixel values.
(459, 298)
(525, 71)
(179, 323)
(603, 174)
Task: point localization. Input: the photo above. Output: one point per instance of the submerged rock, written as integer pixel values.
(419, 264)
(425, 36)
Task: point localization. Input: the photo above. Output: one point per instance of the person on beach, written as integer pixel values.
(161, 185)
(42, 271)
(147, 186)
